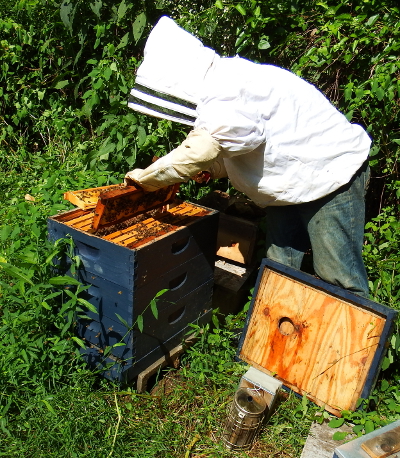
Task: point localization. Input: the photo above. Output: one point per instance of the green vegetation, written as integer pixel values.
(66, 68)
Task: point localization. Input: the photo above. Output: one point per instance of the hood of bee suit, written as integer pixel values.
(169, 80)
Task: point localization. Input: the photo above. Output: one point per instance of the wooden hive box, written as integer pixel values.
(319, 340)
(236, 239)
(125, 266)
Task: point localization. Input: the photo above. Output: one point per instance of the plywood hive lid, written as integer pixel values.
(319, 340)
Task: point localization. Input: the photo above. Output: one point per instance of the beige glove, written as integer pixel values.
(217, 169)
(198, 152)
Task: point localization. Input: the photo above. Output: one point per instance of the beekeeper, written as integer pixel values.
(276, 137)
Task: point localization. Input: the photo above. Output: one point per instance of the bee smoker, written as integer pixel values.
(245, 416)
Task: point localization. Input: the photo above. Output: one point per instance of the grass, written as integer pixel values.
(182, 417)
(52, 406)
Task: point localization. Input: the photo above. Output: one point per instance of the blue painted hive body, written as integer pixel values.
(125, 266)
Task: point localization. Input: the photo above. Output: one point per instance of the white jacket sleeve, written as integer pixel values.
(196, 153)
(238, 126)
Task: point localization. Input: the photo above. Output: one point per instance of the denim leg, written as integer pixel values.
(335, 225)
(287, 239)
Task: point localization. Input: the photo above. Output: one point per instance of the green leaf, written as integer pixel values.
(25, 356)
(141, 135)
(154, 310)
(161, 292)
(393, 406)
(16, 272)
(384, 385)
(24, 318)
(264, 44)
(241, 9)
(88, 305)
(61, 84)
(65, 328)
(138, 26)
(359, 402)
(359, 92)
(122, 321)
(385, 363)
(122, 9)
(396, 342)
(36, 232)
(219, 4)
(239, 40)
(348, 92)
(215, 320)
(65, 13)
(98, 83)
(374, 151)
(369, 426)
(347, 58)
(107, 73)
(139, 323)
(80, 342)
(358, 428)
(339, 436)
(46, 305)
(124, 41)
(96, 6)
(380, 93)
(371, 21)
(336, 422)
(5, 232)
(48, 405)
(63, 280)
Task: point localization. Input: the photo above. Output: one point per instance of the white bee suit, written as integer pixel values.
(279, 139)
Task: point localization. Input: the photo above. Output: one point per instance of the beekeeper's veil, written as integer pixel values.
(173, 70)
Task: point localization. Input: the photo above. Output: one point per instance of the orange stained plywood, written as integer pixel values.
(315, 343)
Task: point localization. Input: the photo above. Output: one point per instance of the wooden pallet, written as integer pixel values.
(171, 359)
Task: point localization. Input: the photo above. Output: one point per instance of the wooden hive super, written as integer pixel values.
(125, 266)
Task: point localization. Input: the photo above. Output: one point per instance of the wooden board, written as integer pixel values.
(319, 340)
(120, 205)
(87, 198)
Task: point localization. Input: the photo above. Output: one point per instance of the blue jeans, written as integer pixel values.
(332, 226)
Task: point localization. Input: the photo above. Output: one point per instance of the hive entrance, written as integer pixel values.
(286, 326)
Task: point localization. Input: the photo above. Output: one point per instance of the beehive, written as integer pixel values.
(125, 266)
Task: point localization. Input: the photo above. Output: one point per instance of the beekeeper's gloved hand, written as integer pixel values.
(196, 153)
